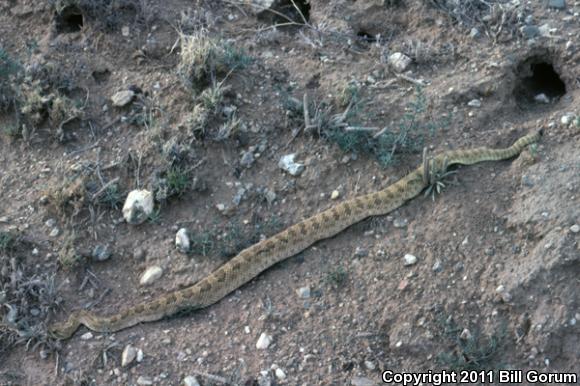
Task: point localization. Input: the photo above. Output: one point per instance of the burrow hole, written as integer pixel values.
(69, 20)
(284, 12)
(539, 83)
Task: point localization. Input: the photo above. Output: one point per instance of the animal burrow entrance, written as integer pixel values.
(286, 13)
(70, 19)
(538, 83)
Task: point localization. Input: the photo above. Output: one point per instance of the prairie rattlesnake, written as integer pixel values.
(252, 261)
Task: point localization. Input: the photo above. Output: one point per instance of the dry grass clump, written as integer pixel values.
(27, 298)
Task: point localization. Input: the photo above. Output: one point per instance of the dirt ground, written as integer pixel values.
(495, 284)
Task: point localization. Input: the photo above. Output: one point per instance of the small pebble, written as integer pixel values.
(87, 336)
(151, 275)
(144, 381)
(474, 103)
(409, 260)
(575, 228)
(304, 292)
(264, 341)
(128, 356)
(280, 374)
(190, 380)
(182, 242)
(400, 222)
(334, 195)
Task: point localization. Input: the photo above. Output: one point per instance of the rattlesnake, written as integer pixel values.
(252, 261)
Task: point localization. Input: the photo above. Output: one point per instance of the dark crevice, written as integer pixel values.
(69, 20)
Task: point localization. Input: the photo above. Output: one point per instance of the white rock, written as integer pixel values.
(400, 222)
(304, 292)
(122, 98)
(370, 365)
(567, 119)
(144, 381)
(140, 356)
(190, 380)
(87, 336)
(575, 228)
(54, 232)
(542, 98)
(263, 341)
(409, 259)
(399, 61)
(334, 195)
(150, 275)
(287, 163)
(128, 356)
(280, 374)
(503, 293)
(182, 241)
(138, 206)
(474, 103)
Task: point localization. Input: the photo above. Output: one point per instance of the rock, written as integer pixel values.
(400, 222)
(361, 252)
(575, 228)
(466, 334)
(101, 253)
(304, 292)
(54, 232)
(138, 206)
(567, 119)
(399, 61)
(474, 103)
(287, 163)
(125, 31)
(370, 365)
(270, 196)
(361, 381)
(247, 159)
(182, 241)
(128, 356)
(474, 33)
(87, 336)
(334, 195)
(503, 294)
(140, 356)
(546, 30)
(122, 98)
(409, 260)
(151, 275)
(437, 266)
(557, 4)
(542, 98)
(263, 341)
(190, 380)
(280, 374)
(530, 31)
(50, 223)
(239, 196)
(144, 381)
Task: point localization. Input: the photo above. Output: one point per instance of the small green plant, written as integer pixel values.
(384, 144)
(155, 216)
(336, 277)
(435, 177)
(111, 197)
(178, 181)
(471, 351)
(8, 242)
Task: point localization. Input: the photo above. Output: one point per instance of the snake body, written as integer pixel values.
(252, 261)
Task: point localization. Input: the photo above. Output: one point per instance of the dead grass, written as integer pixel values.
(27, 298)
